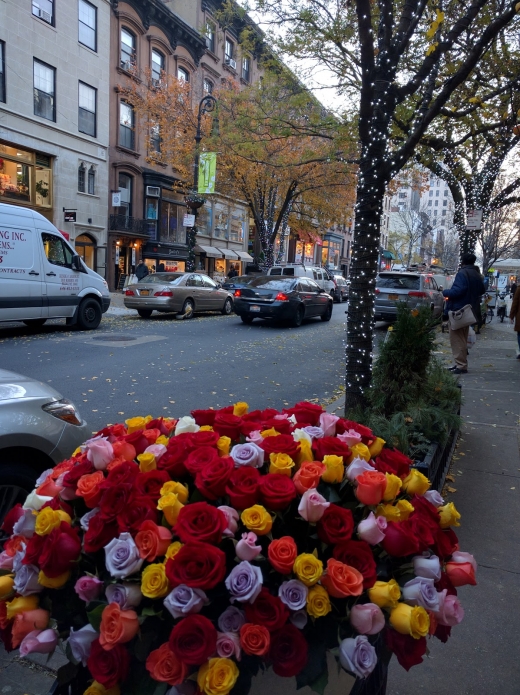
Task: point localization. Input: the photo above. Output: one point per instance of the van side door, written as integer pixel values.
(21, 278)
(63, 283)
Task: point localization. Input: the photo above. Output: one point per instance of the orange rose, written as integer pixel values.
(165, 667)
(23, 623)
(88, 488)
(308, 476)
(282, 554)
(117, 626)
(152, 540)
(63, 467)
(371, 487)
(48, 488)
(254, 639)
(115, 463)
(151, 435)
(341, 580)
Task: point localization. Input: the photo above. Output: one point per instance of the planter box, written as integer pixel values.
(437, 461)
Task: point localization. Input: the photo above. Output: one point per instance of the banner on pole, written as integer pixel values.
(207, 172)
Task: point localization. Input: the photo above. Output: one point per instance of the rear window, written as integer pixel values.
(399, 282)
(275, 271)
(288, 271)
(268, 283)
(163, 278)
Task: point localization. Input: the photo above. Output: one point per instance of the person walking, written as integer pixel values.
(468, 288)
(141, 271)
(514, 315)
(232, 272)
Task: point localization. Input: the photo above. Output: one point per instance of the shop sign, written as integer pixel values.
(189, 221)
(116, 199)
(474, 220)
(70, 215)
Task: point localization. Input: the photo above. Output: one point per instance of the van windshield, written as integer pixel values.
(399, 282)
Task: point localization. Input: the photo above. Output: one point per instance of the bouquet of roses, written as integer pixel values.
(194, 552)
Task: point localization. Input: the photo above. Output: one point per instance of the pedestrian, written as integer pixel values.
(232, 272)
(468, 288)
(513, 289)
(141, 271)
(514, 315)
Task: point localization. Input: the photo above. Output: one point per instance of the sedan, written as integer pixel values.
(38, 428)
(282, 299)
(414, 289)
(182, 293)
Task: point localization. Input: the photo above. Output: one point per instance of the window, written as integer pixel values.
(444, 213)
(436, 203)
(2, 71)
(87, 109)
(87, 24)
(126, 125)
(91, 181)
(229, 50)
(445, 191)
(125, 188)
(429, 203)
(155, 138)
(437, 193)
(430, 193)
(157, 66)
(210, 36)
(81, 178)
(127, 49)
(44, 9)
(44, 77)
(445, 203)
(170, 222)
(57, 252)
(208, 86)
(183, 75)
(246, 69)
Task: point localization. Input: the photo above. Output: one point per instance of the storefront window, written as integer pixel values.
(204, 220)
(220, 267)
(304, 253)
(237, 226)
(151, 215)
(221, 222)
(85, 246)
(171, 228)
(15, 181)
(165, 265)
(25, 177)
(330, 253)
(43, 178)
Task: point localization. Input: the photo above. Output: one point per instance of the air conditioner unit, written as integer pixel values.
(232, 63)
(153, 191)
(126, 65)
(42, 14)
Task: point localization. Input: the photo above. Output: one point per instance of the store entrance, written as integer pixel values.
(86, 248)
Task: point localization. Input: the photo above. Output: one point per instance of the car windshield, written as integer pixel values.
(399, 282)
(268, 283)
(164, 278)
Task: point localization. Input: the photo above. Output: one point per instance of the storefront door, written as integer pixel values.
(86, 248)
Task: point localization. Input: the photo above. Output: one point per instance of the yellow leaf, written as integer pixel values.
(450, 478)
(451, 489)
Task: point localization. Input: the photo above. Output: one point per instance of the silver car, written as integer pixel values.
(414, 289)
(183, 293)
(38, 428)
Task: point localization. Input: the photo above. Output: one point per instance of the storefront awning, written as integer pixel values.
(228, 253)
(65, 234)
(244, 256)
(209, 251)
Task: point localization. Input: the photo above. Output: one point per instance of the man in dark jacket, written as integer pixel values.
(468, 288)
(141, 271)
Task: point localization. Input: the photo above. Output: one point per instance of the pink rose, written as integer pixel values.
(88, 588)
(461, 569)
(156, 449)
(312, 506)
(99, 452)
(39, 641)
(450, 611)
(350, 437)
(367, 618)
(255, 437)
(6, 561)
(372, 530)
(328, 424)
(228, 645)
(246, 548)
(232, 519)
(356, 468)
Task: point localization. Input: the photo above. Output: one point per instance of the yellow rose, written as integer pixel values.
(223, 446)
(449, 515)
(97, 689)
(390, 512)
(48, 519)
(305, 453)
(416, 483)
(178, 489)
(170, 506)
(6, 586)
(206, 428)
(270, 433)
(154, 582)
(359, 451)
(405, 509)
(163, 439)
(376, 447)
(20, 605)
(257, 519)
(217, 676)
(172, 550)
(318, 602)
(135, 423)
(385, 594)
(76, 452)
(240, 408)
(393, 486)
(308, 569)
(281, 464)
(53, 582)
(335, 469)
(410, 620)
(147, 462)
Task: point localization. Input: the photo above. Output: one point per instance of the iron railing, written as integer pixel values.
(123, 223)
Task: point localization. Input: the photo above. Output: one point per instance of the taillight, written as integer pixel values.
(164, 293)
(237, 293)
(281, 297)
(129, 293)
(377, 291)
(417, 294)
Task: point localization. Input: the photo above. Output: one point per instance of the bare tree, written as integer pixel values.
(500, 234)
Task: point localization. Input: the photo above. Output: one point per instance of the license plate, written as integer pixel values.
(254, 307)
(145, 293)
(393, 296)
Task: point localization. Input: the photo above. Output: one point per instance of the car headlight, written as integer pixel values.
(63, 410)
(105, 283)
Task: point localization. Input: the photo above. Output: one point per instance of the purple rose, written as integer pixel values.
(231, 620)
(367, 618)
(126, 595)
(85, 519)
(358, 656)
(248, 454)
(43, 477)
(434, 498)
(294, 594)
(122, 556)
(88, 588)
(427, 567)
(314, 432)
(421, 592)
(25, 524)
(80, 643)
(228, 645)
(299, 619)
(244, 582)
(26, 580)
(184, 600)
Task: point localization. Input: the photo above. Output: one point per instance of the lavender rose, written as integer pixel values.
(358, 656)
(294, 594)
(248, 454)
(231, 620)
(80, 643)
(357, 467)
(427, 567)
(228, 645)
(184, 600)
(26, 580)
(85, 519)
(314, 432)
(126, 595)
(25, 524)
(244, 582)
(299, 619)
(421, 592)
(434, 498)
(122, 556)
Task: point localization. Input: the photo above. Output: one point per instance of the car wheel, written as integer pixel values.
(33, 323)
(89, 315)
(228, 307)
(298, 317)
(336, 297)
(328, 313)
(188, 308)
(145, 313)
(16, 482)
(245, 318)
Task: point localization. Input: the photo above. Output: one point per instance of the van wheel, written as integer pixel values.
(32, 323)
(16, 482)
(145, 313)
(89, 315)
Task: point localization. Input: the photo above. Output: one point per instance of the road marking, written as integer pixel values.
(118, 341)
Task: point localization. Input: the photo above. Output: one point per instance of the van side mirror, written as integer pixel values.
(76, 263)
(440, 288)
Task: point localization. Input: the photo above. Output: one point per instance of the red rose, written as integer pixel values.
(336, 525)
(251, 426)
(282, 425)
(409, 651)
(305, 412)
(113, 432)
(442, 633)
(138, 441)
(330, 446)
(358, 554)
(393, 461)
(11, 518)
(173, 459)
(199, 458)
(212, 479)
(100, 532)
(198, 565)
(204, 417)
(61, 549)
(276, 491)
(115, 499)
(33, 550)
(159, 424)
(258, 416)
(108, 667)
(200, 522)
(57, 503)
(427, 510)
(242, 487)
(150, 483)
(400, 539)
(123, 474)
(71, 478)
(446, 583)
(141, 509)
(367, 436)
(446, 543)
(205, 438)
(281, 444)
(289, 651)
(267, 610)
(193, 640)
(423, 530)
(227, 425)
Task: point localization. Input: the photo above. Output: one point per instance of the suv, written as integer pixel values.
(299, 270)
(414, 289)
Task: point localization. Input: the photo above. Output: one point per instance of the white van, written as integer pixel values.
(42, 277)
(299, 270)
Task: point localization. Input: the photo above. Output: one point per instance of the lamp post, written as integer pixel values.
(208, 104)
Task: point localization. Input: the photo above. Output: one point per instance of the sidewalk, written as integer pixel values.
(117, 306)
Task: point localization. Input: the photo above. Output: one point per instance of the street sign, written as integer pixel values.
(474, 219)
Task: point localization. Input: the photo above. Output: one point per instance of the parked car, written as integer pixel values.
(38, 428)
(340, 293)
(282, 299)
(183, 293)
(319, 275)
(414, 289)
(234, 283)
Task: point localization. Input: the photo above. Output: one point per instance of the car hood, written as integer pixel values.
(15, 386)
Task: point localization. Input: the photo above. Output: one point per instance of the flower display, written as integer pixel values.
(200, 549)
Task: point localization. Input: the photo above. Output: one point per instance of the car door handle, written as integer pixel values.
(48, 274)
(33, 272)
